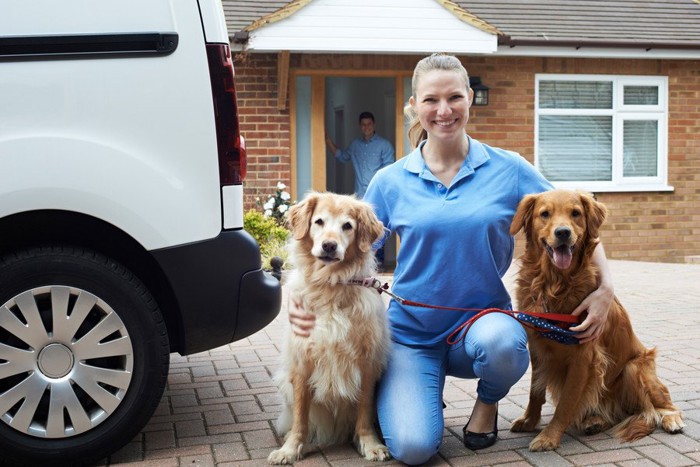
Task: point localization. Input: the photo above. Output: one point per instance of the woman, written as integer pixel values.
(451, 201)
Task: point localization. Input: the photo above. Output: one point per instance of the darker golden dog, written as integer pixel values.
(327, 379)
(605, 383)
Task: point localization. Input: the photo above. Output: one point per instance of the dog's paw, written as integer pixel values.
(378, 453)
(373, 450)
(523, 424)
(544, 443)
(593, 425)
(672, 423)
(284, 456)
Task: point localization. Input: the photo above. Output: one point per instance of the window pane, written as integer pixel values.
(640, 148)
(576, 94)
(575, 148)
(641, 95)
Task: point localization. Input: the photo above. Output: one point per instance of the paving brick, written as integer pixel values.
(246, 408)
(639, 463)
(159, 440)
(679, 442)
(258, 417)
(190, 428)
(250, 463)
(210, 391)
(665, 456)
(185, 400)
(133, 451)
(203, 370)
(179, 378)
(493, 458)
(202, 460)
(260, 439)
(609, 444)
(229, 452)
(167, 462)
(600, 457)
(210, 439)
(240, 427)
(234, 384)
(219, 417)
(544, 459)
(178, 452)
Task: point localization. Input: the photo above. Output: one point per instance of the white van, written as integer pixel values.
(121, 216)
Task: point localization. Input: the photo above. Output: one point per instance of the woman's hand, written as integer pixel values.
(301, 321)
(597, 304)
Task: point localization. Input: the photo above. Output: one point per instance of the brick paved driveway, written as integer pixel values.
(219, 407)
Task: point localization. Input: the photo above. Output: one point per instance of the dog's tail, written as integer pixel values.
(636, 396)
(637, 426)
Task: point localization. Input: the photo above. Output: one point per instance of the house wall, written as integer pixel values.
(645, 226)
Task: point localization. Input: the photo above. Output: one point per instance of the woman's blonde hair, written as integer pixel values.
(436, 61)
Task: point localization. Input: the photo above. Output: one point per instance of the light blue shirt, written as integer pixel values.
(367, 157)
(455, 242)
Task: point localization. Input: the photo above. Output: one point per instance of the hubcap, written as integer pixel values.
(55, 360)
(66, 361)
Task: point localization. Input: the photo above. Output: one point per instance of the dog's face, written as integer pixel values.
(337, 227)
(559, 222)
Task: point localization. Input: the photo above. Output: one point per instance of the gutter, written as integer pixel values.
(578, 44)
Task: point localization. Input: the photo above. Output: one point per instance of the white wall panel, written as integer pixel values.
(372, 26)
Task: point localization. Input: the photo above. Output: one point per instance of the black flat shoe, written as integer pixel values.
(476, 441)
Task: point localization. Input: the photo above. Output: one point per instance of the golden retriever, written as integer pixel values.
(608, 382)
(327, 380)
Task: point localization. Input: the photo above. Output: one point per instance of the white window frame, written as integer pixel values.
(620, 112)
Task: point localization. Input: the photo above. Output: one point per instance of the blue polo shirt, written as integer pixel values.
(455, 242)
(367, 156)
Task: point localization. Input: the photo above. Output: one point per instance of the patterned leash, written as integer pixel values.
(553, 326)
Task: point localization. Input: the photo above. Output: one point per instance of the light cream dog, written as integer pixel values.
(327, 380)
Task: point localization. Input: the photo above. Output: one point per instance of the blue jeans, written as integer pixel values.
(409, 394)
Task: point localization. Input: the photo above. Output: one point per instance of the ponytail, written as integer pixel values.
(416, 132)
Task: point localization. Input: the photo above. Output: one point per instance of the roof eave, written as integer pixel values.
(578, 44)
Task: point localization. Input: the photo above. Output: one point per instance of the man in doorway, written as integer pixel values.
(367, 154)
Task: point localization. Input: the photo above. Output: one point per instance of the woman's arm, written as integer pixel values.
(301, 321)
(597, 304)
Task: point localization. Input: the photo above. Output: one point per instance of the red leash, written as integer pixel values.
(459, 333)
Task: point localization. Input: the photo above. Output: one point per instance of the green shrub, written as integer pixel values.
(271, 236)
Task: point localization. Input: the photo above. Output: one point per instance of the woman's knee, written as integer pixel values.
(413, 450)
(503, 337)
(500, 351)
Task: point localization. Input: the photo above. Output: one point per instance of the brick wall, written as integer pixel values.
(649, 226)
(264, 127)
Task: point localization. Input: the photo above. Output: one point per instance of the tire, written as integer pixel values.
(84, 356)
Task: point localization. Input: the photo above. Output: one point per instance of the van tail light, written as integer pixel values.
(231, 146)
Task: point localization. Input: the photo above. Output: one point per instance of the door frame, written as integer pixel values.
(318, 104)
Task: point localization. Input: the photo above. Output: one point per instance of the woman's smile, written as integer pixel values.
(445, 123)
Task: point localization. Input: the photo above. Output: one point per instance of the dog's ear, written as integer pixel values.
(523, 215)
(299, 216)
(369, 228)
(595, 214)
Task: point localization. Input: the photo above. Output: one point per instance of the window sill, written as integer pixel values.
(607, 188)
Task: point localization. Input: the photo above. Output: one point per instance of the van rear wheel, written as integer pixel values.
(84, 356)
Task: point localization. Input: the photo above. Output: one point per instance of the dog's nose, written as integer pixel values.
(562, 233)
(329, 246)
